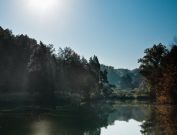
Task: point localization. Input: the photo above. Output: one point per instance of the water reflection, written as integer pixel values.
(42, 127)
(162, 121)
(103, 118)
(131, 127)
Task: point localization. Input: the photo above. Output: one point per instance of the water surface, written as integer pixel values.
(103, 118)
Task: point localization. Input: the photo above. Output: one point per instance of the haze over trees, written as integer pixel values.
(36, 70)
(29, 67)
(124, 79)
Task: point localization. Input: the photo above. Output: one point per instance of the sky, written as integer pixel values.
(117, 31)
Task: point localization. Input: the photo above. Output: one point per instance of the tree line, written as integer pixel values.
(36, 68)
(159, 66)
(26, 65)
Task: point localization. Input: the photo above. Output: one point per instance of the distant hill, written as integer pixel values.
(124, 78)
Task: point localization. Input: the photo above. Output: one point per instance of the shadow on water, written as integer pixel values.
(88, 119)
(162, 121)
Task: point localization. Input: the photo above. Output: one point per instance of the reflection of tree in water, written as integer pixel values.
(163, 121)
(85, 120)
(128, 111)
(88, 119)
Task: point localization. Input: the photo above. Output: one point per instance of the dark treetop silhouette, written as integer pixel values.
(159, 66)
(36, 71)
(37, 74)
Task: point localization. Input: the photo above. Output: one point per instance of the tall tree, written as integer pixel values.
(151, 65)
(42, 74)
(159, 66)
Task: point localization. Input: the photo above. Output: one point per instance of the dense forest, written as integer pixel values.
(37, 70)
(159, 67)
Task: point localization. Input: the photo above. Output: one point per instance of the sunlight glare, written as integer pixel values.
(42, 6)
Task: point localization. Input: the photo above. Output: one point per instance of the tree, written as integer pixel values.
(168, 81)
(151, 65)
(95, 67)
(41, 70)
(159, 67)
(35, 69)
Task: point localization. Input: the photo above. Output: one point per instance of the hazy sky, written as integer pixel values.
(117, 31)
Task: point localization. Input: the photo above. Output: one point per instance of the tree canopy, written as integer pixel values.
(159, 68)
(38, 70)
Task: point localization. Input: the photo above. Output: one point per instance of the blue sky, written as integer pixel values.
(117, 31)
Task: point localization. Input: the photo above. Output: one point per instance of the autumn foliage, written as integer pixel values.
(159, 66)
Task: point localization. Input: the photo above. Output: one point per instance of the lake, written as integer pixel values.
(98, 118)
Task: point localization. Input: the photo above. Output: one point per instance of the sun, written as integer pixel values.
(42, 6)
